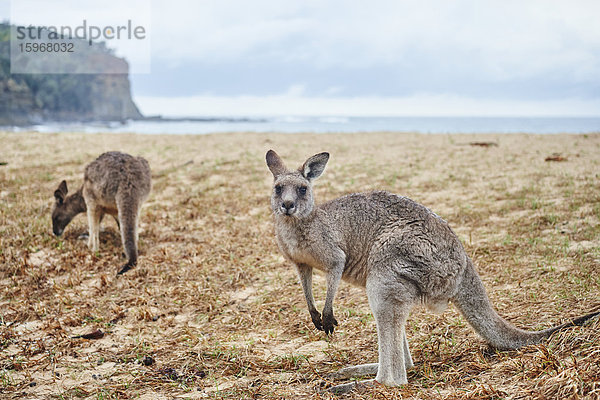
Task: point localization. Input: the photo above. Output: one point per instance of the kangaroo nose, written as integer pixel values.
(287, 206)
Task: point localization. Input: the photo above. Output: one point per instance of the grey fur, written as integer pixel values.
(400, 251)
(116, 184)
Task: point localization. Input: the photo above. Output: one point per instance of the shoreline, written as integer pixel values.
(326, 125)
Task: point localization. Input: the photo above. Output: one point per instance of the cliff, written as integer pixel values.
(37, 98)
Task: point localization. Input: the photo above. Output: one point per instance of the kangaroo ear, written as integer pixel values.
(61, 192)
(314, 166)
(275, 163)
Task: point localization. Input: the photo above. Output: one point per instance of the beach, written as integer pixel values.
(213, 310)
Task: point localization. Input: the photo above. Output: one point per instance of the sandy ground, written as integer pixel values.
(213, 311)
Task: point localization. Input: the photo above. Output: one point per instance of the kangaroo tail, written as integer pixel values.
(128, 216)
(473, 302)
(575, 322)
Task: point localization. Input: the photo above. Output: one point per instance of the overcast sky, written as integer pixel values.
(238, 57)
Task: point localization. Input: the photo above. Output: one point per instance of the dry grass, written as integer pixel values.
(217, 313)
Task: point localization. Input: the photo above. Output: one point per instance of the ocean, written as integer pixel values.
(426, 125)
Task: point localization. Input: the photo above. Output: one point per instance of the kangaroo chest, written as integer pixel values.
(297, 248)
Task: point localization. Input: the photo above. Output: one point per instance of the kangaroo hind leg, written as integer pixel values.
(94, 215)
(390, 307)
(408, 361)
(394, 356)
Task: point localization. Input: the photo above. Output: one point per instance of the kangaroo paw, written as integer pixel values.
(329, 322)
(316, 319)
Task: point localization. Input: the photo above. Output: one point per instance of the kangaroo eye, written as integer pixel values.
(302, 190)
(278, 189)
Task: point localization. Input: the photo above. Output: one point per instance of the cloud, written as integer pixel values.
(4, 10)
(506, 49)
(500, 38)
(296, 90)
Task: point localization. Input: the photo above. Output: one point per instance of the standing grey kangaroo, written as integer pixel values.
(116, 184)
(400, 251)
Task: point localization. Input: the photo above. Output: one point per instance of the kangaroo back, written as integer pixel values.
(115, 174)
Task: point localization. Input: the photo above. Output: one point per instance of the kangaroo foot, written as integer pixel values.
(348, 387)
(355, 371)
(126, 268)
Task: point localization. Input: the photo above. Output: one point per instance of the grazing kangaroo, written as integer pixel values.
(115, 183)
(400, 251)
